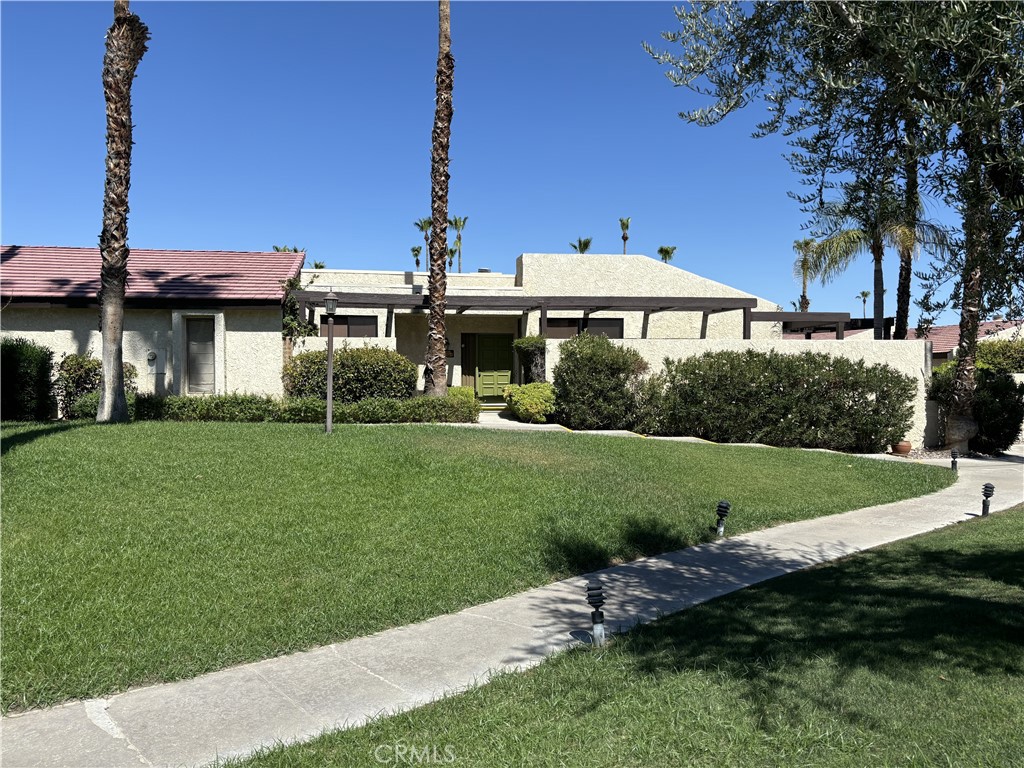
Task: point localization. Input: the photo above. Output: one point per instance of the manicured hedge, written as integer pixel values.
(596, 383)
(359, 373)
(809, 400)
(26, 391)
(531, 402)
(532, 352)
(78, 375)
(998, 405)
(1005, 355)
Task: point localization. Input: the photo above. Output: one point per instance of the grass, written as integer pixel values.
(156, 551)
(911, 655)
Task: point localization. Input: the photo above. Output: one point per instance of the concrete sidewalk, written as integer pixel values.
(292, 698)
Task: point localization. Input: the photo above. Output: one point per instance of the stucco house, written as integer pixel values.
(196, 322)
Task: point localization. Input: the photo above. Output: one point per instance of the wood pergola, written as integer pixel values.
(649, 305)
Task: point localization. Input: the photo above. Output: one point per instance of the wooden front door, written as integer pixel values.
(493, 363)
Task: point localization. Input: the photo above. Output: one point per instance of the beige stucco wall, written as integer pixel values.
(248, 350)
(412, 338)
(912, 358)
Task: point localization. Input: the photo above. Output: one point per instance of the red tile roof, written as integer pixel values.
(946, 338)
(42, 272)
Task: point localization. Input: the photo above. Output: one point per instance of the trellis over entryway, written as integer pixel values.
(648, 305)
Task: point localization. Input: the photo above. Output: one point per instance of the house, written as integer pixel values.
(627, 297)
(196, 322)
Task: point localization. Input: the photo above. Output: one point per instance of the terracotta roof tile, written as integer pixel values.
(946, 338)
(43, 272)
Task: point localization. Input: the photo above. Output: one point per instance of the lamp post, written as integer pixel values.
(987, 491)
(330, 307)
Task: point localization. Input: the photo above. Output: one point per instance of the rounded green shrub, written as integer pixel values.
(596, 383)
(26, 390)
(359, 373)
(808, 400)
(998, 405)
(531, 402)
(1005, 355)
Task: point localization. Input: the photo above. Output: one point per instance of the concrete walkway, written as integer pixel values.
(292, 698)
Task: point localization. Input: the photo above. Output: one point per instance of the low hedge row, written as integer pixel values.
(456, 408)
(359, 373)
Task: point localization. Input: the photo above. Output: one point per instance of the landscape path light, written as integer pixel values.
(988, 491)
(722, 512)
(595, 596)
(954, 455)
(330, 307)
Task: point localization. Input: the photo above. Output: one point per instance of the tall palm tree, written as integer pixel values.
(435, 373)
(624, 225)
(416, 251)
(424, 225)
(125, 47)
(878, 219)
(666, 252)
(864, 296)
(458, 223)
(451, 256)
(582, 245)
(803, 266)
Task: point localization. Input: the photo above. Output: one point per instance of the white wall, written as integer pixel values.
(912, 358)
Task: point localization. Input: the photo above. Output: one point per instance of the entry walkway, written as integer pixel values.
(293, 698)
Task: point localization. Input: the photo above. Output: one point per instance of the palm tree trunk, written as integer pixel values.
(805, 303)
(125, 46)
(877, 251)
(435, 374)
(912, 202)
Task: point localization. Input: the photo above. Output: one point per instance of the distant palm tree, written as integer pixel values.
(624, 224)
(863, 296)
(124, 48)
(435, 363)
(451, 255)
(666, 251)
(458, 223)
(582, 245)
(803, 267)
(319, 265)
(424, 225)
(416, 251)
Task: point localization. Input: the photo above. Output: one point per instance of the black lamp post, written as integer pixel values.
(330, 307)
(954, 455)
(988, 491)
(595, 596)
(722, 512)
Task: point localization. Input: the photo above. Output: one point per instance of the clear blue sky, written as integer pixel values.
(309, 124)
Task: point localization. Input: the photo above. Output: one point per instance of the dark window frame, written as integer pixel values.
(344, 325)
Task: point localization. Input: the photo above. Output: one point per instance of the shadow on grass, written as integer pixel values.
(24, 434)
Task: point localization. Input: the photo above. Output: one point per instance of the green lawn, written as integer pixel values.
(912, 655)
(156, 551)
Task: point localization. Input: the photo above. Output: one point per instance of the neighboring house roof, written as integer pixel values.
(41, 273)
(825, 335)
(946, 338)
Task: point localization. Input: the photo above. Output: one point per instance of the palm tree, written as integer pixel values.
(624, 224)
(458, 223)
(435, 364)
(666, 251)
(424, 225)
(451, 256)
(879, 219)
(416, 251)
(582, 245)
(863, 296)
(803, 266)
(125, 47)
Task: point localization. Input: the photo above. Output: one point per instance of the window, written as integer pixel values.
(200, 359)
(349, 326)
(566, 328)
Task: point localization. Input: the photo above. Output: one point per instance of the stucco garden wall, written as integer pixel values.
(912, 358)
(248, 353)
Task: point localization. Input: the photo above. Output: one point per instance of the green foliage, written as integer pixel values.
(808, 400)
(531, 402)
(531, 351)
(998, 404)
(359, 373)
(88, 405)
(78, 375)
(596, 383)
(468, 396)
(1002, 354)
(26, 392)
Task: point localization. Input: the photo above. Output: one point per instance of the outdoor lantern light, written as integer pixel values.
(722, 512)
(330, 307)
(595, 596)
(988, 491)
(954, 455)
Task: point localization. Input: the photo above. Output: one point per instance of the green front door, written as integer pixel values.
(493, 363)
